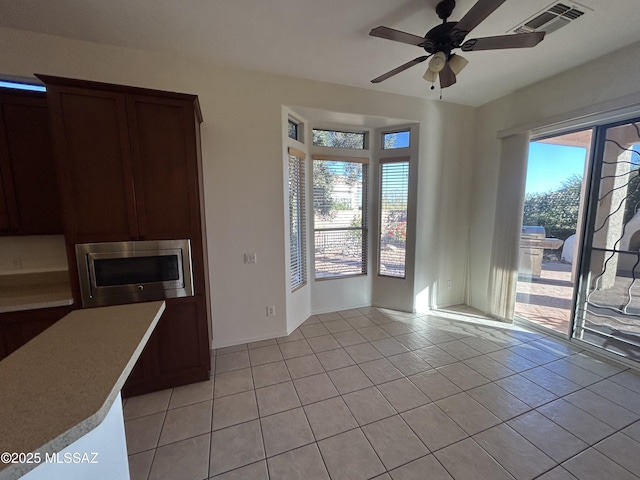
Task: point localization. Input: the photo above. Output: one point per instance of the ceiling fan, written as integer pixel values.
(440, 41)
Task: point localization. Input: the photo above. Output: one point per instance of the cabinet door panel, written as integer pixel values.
(91, 142)
(8, 207)
(182, 345)
(31, 154)
(3, 352)
(4, 209)
(20, 327)
(162, 134)
(141, 378)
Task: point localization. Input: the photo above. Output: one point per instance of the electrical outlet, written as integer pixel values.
(16, 262)
(271, 310)
(249, 258)
(448, 283)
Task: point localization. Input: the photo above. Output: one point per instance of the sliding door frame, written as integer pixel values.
(581, 288)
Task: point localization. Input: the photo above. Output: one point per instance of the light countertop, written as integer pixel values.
(60, 385)
(34, 291)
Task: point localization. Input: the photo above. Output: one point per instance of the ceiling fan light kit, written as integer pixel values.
(437, 62)
(430, 75)
(457, 63)
(440, 41)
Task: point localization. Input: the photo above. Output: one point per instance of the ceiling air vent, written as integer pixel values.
(552, 18)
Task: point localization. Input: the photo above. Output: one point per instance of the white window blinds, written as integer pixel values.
(297, 224)
(340, 216)
(394, 196)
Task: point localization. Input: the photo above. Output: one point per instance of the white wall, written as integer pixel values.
(242, 152)
(602, 80)
(445, 180)
(32, 254)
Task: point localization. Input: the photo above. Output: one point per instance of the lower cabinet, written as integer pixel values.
(3, 352)
(177, 352)
(17, 328)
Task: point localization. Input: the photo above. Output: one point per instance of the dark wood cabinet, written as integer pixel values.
(3, 351)
(176, 350)
(130, 156)
(29, 202)
(94, 164)
(162, 134)
(129, 168)
(17, 328)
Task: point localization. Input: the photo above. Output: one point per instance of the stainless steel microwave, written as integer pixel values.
(127, 272)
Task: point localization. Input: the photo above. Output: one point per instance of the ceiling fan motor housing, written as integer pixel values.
(439, 39)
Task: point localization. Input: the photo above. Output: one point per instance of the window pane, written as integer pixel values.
(394, 194)
(340, 253)
(297, 228)
(337, 194)
(340, 218)
(396, 140)
(332, 138)
(293, 130)
(22, 86)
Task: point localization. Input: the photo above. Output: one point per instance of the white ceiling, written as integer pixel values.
(328, 40)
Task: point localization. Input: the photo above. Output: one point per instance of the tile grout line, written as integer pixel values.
(458, 361)
(264, 446)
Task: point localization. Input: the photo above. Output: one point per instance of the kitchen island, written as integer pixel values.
(61, 387)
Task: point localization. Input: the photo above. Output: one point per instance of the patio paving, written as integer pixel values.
(547, 300)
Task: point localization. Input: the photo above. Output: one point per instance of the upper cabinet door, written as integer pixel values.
(162, 133)
(4, 210)
(28, 146)
(92, 150)
(8, 208)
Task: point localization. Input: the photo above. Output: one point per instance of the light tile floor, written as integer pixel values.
(372, 393)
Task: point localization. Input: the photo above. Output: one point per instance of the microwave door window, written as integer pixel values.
(112, 272)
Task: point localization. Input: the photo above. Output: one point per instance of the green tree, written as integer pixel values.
(331, 138)
(323, 181)
(556, 211)
(390, 141)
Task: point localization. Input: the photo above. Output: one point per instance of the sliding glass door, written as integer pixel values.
(607, 312)
(549, 246)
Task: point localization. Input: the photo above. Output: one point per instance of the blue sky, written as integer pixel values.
(549, 165)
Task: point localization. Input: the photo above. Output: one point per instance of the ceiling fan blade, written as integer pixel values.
(481, 10)
(399, 69)
(447, 77)
(518, 40)
(396, 35)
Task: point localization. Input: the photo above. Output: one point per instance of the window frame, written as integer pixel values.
(364, 229)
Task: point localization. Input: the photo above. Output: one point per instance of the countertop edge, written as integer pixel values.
(16, 470)
(37, 305)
